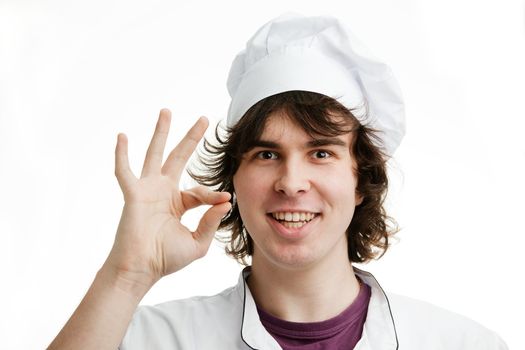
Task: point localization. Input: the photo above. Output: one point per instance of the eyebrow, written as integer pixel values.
(332, 141)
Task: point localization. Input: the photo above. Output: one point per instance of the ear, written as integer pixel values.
(358, 198)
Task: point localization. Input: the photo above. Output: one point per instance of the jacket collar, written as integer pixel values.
(379, 331)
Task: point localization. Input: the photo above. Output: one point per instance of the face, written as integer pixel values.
(296, 195)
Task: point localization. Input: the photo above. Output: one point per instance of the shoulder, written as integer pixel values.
(428, 326)
(181, 324)
(190, 307)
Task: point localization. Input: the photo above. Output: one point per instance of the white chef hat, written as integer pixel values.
(317, 54)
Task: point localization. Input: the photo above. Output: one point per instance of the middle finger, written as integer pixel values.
(155, 151)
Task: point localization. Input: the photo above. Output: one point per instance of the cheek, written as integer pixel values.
(338, 188)
(243, 183)
(249, 190)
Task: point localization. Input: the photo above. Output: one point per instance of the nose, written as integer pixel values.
(293, 179)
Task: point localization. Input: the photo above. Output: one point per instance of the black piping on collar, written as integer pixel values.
(387, 301)
(244, 311)
(364, 272)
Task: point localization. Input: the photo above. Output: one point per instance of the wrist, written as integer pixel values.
(133, 284)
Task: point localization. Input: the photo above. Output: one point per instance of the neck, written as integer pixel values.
(308, 294)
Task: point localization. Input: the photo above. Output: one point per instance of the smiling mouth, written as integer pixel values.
(293, 219)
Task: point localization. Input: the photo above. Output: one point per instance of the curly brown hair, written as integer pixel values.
(370, 228)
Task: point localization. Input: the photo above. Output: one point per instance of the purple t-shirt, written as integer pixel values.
(341, 332)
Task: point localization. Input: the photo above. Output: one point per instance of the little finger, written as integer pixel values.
(122, 169)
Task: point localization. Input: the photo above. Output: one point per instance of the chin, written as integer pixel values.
(290, 258)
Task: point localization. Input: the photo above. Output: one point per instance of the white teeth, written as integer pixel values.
(295, 217)
(293, 224)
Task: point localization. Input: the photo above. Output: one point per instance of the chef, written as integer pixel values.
(298, 180)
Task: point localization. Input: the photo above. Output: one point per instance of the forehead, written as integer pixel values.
(281, 125)
(277, 125)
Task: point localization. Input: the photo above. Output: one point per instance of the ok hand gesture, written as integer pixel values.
(151, 242)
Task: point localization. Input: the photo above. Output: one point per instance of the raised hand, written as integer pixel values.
(151, 242)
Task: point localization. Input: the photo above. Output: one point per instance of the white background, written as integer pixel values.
(75, 74)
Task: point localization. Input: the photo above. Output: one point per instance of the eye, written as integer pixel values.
(266, 155)
(321, 154)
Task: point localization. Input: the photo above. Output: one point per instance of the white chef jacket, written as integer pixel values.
(229, 321)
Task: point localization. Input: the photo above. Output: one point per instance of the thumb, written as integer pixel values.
(210, 222)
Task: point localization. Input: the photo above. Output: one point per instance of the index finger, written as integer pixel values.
(179, 156)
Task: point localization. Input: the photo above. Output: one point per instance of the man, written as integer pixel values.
(300, 179)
